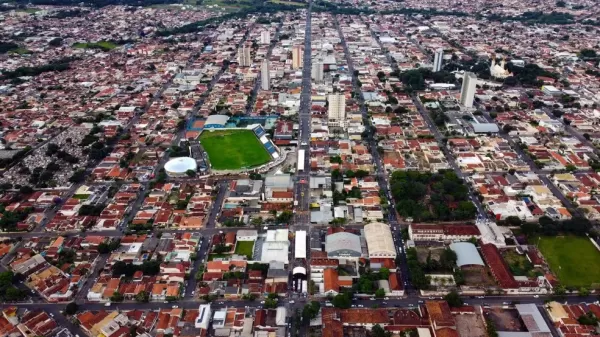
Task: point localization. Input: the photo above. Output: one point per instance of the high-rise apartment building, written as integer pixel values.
(437, 60)
(265, 37)
(297, 52)
(336, 112)
(317, 71)
(467, 93)
(265, 76)
(244, 59)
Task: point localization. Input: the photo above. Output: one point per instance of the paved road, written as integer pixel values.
(301, 188)
(258, 81)
(206, 237)
(381, 175)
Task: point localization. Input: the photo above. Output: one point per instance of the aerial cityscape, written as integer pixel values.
(292, 168)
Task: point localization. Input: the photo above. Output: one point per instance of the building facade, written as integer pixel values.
(297, 57)
(336, 112)
(438, 59)
(467, 93)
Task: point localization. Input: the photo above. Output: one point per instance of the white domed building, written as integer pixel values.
(177, 167)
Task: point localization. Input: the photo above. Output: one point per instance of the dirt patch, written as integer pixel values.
(470, 326)
(423, 252)
(477, 276)
(505, 319)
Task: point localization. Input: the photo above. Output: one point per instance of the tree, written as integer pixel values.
(142, 296)
(491, 328)
(380, 293)
(271, 303)
(190, 173)
(71, 308)
(513, 221)
(384, 273)
(453, 299)
(588, 319)
(378, 331)
(311, 311)
(285, 217)
(342, 301)
(25, 189)
(257, 222)
(117, 297)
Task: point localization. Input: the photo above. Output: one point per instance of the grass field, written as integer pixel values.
(20, 51)
(574, 260)
(292, 3)
(233, 149)
(30, 10)
(245, 248)
(104, 45)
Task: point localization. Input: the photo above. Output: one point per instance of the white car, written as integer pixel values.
(107, 304)
(175, 307)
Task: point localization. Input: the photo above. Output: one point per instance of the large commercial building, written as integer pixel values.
(317, 71)
(297, 57)
(265, 77)
(419, 232)
(275, 247)
(467, 93)
(438, 59)
(336, 112)
(466, 254)
(244, 59)
(380, 242)
(343, 245)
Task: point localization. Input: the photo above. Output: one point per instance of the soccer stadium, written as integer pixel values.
(236, 148)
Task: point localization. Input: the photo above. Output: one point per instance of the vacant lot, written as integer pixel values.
(574, 260)
(245, 248)
(476, 276)
(233, 149)
(505, 319)
(470, 325)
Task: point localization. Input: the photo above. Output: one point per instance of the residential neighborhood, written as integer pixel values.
(299, 168)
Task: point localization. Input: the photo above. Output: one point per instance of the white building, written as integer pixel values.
(246, 235)
(265, 77)
(438, 59)
(380, 242)
(337, 110)
(297, 57)
(276, 246)
(203, 319)
(467, 93)
(265, 37)
(317, 71)
(300, 246)
(244, 59)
